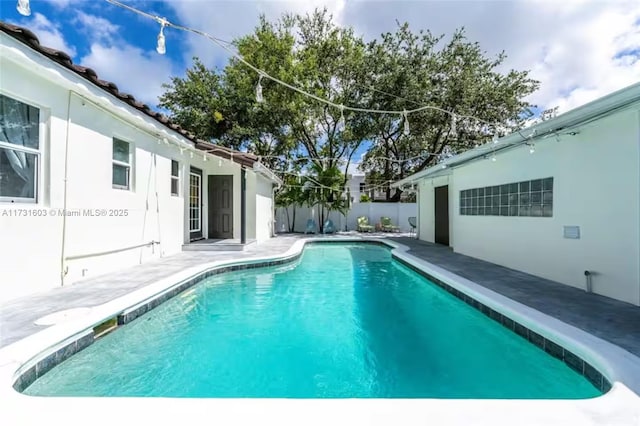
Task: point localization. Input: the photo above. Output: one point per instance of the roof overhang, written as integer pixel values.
(267, 173)
(119, 103)
(598, 108)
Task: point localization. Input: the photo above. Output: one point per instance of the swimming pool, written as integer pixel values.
(346, 320)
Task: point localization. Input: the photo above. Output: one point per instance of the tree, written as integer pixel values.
(459, 78)
(196, 101)
(291, 196)
(323, 190)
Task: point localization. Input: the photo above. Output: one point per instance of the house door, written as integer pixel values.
(220, 206)
(195, 204)
(441, 203)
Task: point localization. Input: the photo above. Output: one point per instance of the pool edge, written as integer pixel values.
(41, 350)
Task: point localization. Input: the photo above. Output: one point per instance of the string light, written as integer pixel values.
(23, 7)
(259, 97)
(405, 131)
(532, 148)
(166, 141)
(161, 48)
(204, 157)
(220, 163)
(191, 154)
(341, 123)
(454, 129)
(493, 157)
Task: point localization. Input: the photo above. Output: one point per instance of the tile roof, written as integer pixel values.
(28, 38)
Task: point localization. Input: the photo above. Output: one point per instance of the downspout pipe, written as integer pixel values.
(64, 269)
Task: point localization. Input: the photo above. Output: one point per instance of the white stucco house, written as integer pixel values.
(555, 203)
(92, 181)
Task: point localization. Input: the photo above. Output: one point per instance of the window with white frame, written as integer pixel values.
(121, 167)
(19, 150)
(175, 178)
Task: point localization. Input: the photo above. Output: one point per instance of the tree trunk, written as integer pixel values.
(286, 209)
(396, 196)
(292, 228)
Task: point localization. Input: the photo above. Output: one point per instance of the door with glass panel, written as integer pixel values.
(195, 204)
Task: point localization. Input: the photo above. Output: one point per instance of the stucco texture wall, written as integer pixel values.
(596, 186)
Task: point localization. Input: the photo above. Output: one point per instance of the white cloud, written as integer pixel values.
(131, 69)
(230, 19)
(49, 34)
(96, 27)
(61, 3)
(570, 46)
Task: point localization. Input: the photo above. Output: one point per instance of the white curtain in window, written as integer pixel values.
(17, 128)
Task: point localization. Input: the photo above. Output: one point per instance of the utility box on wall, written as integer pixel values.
(572, 232)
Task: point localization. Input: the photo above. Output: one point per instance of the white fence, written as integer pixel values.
(398, 212)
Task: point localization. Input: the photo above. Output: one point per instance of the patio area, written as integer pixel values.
(611, 320)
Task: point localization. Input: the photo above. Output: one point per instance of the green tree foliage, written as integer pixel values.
(399, 71)
(410, 70)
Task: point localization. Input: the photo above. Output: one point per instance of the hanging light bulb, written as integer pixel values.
(532, 148)
(495, 138)
(204, 157)
(161, 48)
(259, 97)
(166, 141)
(493, 157)
(454, 128)
(23, 7)
(191, 154)
(181, 151)
(341, 124)
(406, 123)
(220, 163)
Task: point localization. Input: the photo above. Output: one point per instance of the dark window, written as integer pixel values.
(175, 178)
(529, 198)
(19, 150)
(121, 164)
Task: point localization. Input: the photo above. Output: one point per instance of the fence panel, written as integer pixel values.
(398, 212)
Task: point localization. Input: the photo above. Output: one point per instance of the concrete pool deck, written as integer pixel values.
(137, 289)
(608, 319)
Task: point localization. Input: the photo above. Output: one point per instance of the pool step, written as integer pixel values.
(217, 245)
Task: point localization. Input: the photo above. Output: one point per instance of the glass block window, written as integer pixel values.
(529, 198)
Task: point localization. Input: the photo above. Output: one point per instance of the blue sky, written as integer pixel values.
(578, 49)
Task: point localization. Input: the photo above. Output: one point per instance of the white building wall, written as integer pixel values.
(251, 205)
(145, 213)
(31, 253)
(264, 209)
(596, 187)
(426, 212)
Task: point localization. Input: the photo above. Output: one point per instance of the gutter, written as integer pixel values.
(570, 119)
(266, 172)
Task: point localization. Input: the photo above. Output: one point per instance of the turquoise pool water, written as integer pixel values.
(344, 321)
